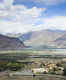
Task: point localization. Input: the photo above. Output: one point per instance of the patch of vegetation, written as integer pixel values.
(15, 66)
(64, 71)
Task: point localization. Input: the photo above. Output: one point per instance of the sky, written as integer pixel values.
(21, 16)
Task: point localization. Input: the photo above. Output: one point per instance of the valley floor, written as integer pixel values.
(33, 59)
(43, 77)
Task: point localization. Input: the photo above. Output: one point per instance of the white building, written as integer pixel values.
(40, 70)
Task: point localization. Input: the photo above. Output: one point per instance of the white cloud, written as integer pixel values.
(8, 3)
(21, 18)
(57, 22)
(23, 14)
(11, 27)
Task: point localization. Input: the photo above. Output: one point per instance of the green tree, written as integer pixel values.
(64, 71)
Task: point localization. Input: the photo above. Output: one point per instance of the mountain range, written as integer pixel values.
(35, 39)
(45, 39)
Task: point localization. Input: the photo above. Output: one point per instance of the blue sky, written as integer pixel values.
(20, 16)
(52, 10)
